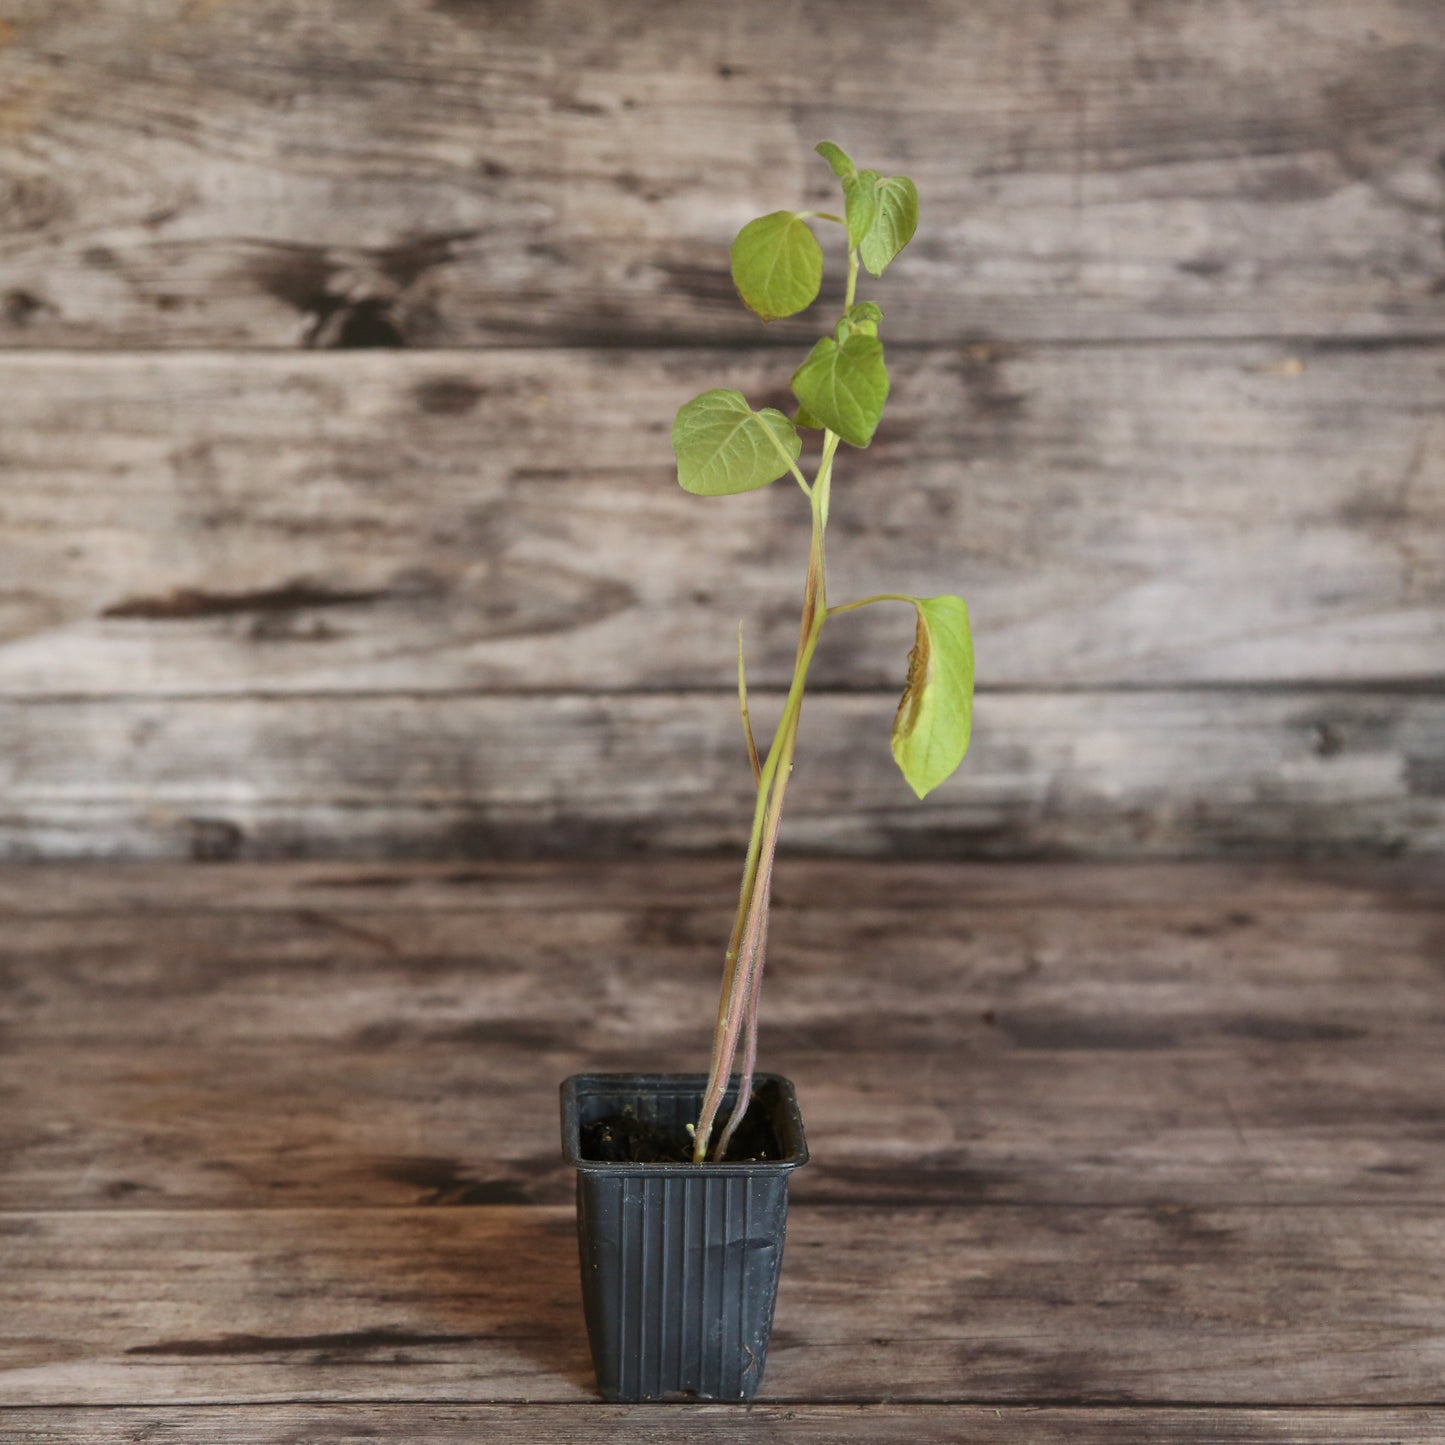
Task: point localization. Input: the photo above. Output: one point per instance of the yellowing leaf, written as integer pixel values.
(935, 715)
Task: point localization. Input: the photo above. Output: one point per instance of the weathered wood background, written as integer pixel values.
(1102, 1153)
(341, 344)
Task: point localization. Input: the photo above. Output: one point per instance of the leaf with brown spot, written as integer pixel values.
(935, 715)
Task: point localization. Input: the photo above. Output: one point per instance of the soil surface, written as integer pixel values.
(624, 1138)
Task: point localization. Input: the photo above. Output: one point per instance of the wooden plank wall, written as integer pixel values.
(340, 346)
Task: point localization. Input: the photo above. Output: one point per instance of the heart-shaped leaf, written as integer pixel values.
(895, 219)
(777, 265)
(860, 196)
(935, 715)
(844, 384)
(724, 446)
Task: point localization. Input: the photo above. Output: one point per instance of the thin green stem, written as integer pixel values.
(822, 487)
(821, 216)
(746, 893)
(793, 467)
(743, 709)
(751, 920)
(747, 944)
(743, 963)
(869, 601)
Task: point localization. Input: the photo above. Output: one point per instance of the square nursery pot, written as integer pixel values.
(679, 1261)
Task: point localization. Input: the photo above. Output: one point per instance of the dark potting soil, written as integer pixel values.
(623, 1138)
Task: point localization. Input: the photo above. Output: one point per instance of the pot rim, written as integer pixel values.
(787, 1122)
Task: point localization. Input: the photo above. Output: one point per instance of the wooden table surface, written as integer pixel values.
(1100, 1153)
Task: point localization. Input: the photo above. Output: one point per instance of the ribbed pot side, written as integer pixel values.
(679, 1262)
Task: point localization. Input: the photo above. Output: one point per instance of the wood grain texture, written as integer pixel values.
(1189, 1119)
(1271, 1306)
(1049, 774)
(1101, 1154)
(1115, 516)
(82, 890)
(360, 534)
(792, 1424)
(436, 172)
(1103, 1035)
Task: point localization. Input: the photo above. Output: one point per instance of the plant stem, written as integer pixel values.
(744, 946)
(737, 1010)
(793, 467)
(869, 601)
(737, 1020)
(754, 953)
(750, 1052)
(743, 709)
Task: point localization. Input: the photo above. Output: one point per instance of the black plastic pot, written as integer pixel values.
(679, 1261)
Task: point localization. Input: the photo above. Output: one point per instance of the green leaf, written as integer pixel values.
(935, 716)
(895, 219)
(837, 158)
(777, 265)
(724, 446)
(803, 417)
(860, 190)
(845, 385)
(860, 194)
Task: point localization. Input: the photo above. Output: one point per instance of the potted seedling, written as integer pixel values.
(682, 1179)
